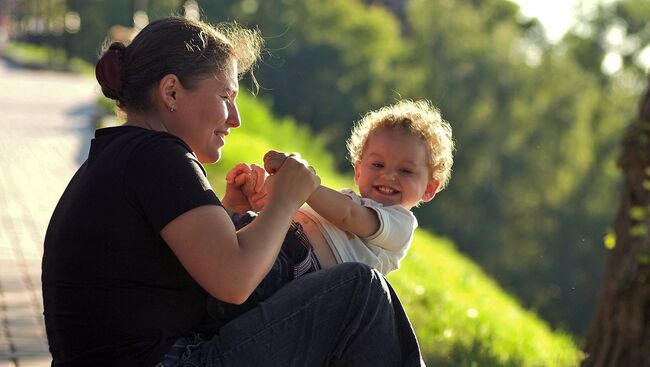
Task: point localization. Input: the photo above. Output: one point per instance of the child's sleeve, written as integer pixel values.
(396, 228)
(396, 224)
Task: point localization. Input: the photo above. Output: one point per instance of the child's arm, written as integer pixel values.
(344, 213)
(337, 208)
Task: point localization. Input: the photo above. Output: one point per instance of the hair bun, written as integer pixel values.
(109, 70)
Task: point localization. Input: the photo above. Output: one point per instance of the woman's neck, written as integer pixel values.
(145, 120)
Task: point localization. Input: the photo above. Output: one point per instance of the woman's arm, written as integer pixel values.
(230, 264)
(344, 213)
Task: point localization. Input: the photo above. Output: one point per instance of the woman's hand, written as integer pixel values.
(292, 180)
(244, 187)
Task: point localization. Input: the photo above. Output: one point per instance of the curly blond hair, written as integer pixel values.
(418, 118)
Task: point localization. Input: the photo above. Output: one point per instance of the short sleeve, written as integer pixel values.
(396, 227)
(396, 223)
(164, 179)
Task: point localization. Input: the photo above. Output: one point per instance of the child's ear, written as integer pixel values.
(431, 190)
(357, 171)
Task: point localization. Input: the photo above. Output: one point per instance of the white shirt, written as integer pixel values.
(382, 250)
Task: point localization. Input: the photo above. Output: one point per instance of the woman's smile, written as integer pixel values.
(221, 135)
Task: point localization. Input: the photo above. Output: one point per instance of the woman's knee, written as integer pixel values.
(364, 278)
(354, 270)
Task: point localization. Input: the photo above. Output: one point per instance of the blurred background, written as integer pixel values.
(538, 111)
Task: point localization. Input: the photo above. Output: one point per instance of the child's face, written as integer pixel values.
(393, 169)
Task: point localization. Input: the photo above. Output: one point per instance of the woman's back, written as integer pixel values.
(111, 285)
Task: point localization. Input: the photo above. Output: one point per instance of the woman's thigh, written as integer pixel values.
(300, 325)
(347, 314)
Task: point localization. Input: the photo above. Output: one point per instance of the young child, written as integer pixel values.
(402, 156)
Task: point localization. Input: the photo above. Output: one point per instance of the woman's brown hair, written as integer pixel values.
(192, 50)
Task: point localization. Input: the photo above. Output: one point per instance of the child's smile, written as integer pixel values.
(394, 169)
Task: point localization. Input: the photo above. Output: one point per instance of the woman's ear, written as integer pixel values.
(431, 190)
(166, 91)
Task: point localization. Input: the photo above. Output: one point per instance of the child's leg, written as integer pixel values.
(300, 251)
(293, 254)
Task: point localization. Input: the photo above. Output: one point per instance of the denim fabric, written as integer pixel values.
(347, 315)
(292, 254)
(181, 352)
(241, 220)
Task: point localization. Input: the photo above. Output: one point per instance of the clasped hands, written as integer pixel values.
(285, 179)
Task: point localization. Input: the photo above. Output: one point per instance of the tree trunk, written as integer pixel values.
(619, 334)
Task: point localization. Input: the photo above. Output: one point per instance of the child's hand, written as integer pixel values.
(258, 200)
(243, 182)
(249, 178)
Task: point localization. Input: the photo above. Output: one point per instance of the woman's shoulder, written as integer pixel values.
(136, 143)
(138, 135)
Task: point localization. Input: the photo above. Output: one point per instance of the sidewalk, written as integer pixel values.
(44, 135)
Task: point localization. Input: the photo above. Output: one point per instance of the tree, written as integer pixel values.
(619, 334)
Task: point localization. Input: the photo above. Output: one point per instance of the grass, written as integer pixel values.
(46, 57)
(461, 316)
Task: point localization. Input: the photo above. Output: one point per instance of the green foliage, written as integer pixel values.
(96, 20)
(45, 57)
(31, 54)
(610, 239)
(461, 317)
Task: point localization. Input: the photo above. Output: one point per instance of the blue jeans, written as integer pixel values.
(295, 259)
(347, 315)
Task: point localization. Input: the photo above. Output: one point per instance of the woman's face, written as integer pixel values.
(204, 115)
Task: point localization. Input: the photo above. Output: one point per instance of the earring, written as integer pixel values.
(172, 109)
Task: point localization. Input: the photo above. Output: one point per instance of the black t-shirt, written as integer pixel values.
(114, 293)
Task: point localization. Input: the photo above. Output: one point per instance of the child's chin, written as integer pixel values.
(387, 201)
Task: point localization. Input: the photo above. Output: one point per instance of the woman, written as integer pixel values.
(139, 242)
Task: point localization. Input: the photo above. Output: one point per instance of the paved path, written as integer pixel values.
(44, 136)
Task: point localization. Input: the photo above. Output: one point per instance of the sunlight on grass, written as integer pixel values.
(462, 316)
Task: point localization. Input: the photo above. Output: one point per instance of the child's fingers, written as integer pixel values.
(237, 170)
(241, 179)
